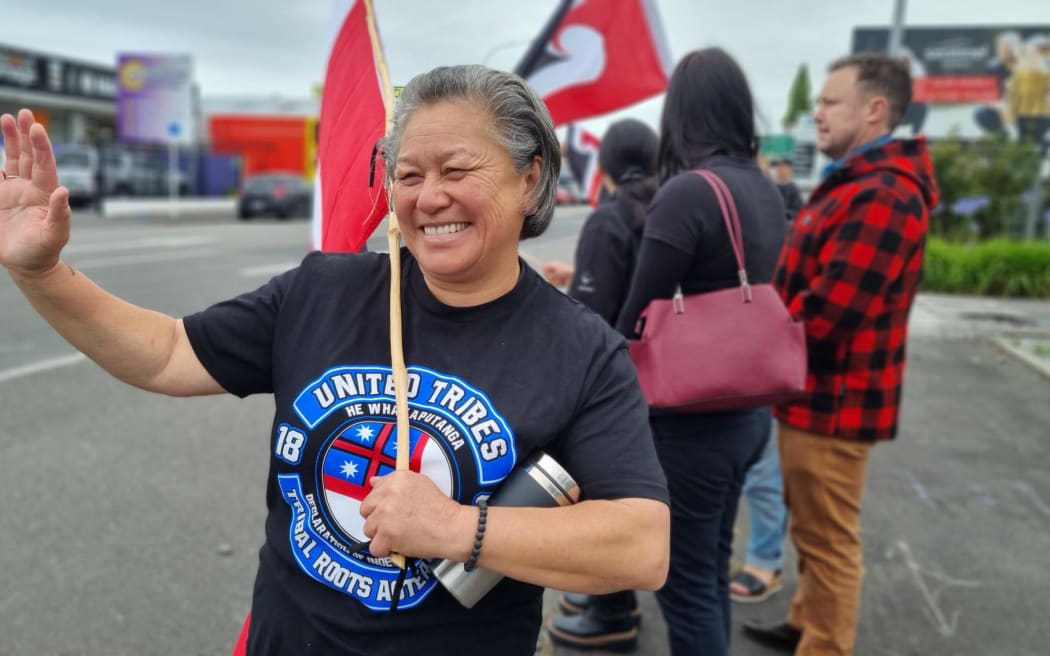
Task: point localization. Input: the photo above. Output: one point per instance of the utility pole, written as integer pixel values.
(897, 29)
(1032, 219)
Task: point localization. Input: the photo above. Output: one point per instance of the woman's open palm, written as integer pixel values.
(34, 210)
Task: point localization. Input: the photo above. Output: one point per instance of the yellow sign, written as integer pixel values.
(132, 75)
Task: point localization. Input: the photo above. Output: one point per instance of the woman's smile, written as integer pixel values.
(443, 231)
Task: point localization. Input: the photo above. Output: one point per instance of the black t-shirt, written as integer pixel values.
(685, 239)
(488, 385)
(605, 256)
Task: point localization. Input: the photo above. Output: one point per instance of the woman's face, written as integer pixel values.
(460, 202)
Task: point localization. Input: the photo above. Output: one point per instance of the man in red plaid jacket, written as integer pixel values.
(849, 269)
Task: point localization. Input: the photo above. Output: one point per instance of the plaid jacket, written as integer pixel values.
(849, 269)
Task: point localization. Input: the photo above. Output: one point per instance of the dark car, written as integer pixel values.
(279, 194)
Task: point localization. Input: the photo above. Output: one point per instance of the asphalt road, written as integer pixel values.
(131, 522)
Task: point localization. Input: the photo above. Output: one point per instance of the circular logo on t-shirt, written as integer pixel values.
(368, 448)
(456, 438)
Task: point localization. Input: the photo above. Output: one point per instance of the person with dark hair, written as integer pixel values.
(708, 122)
(784, 176)
(500, 367)
(605, 256)
(608, 242)
(849, 271)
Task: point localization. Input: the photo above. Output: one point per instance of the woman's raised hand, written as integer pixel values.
(34, 210)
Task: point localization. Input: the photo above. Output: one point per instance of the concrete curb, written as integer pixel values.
(1041, 365)
(138, 207)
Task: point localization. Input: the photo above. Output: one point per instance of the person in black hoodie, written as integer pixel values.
(708, 122)
(604, 263)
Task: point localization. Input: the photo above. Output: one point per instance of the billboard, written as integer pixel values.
(155, 98)
(265, 143)
(973, 80)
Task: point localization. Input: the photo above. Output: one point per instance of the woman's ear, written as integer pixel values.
(532, 181)
(532, 177)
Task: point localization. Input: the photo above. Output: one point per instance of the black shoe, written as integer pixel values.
(782, 636)
(589, 630)
(574, 603)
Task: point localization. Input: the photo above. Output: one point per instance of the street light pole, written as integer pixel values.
(897, 29)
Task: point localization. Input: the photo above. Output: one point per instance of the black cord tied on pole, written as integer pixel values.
(398, 585)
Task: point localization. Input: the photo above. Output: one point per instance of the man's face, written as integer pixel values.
(783, 172)
(840, 113)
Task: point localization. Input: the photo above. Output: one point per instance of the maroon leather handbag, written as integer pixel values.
(729, 349)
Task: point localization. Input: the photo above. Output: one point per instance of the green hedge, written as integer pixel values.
(993, 268)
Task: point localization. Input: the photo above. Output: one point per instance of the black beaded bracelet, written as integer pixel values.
(483, 513)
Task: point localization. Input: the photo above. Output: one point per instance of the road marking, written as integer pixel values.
(918, 487)
(139, 244)
(932, 594)
(268, 269)
(41, 366)
(1029, 492)
(144, 258)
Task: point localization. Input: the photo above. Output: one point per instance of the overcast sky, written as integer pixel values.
(264, 47)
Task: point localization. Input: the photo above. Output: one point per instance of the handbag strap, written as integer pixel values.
(732, 221)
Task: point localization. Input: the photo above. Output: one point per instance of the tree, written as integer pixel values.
(799, 101)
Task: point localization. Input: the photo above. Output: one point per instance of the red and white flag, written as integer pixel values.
(581, 155)
(597, 56)
(350, 193)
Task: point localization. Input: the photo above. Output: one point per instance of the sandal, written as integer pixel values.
(756, 590)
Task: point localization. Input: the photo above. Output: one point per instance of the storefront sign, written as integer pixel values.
(32, 71)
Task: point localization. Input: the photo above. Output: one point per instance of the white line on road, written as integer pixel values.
(137, 244)
(144, 258)
(268, 269)
(40, 366)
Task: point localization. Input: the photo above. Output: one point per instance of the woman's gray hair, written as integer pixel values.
(521, 122)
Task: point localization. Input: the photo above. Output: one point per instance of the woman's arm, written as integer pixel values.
(593, 546)
(674, 228)
(660, 267)
(140, 347)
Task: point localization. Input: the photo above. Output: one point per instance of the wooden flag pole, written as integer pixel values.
(397, 352)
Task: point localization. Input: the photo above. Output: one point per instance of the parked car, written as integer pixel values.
(123, 173)
(568, 192)
(279, 194)
(78, 171)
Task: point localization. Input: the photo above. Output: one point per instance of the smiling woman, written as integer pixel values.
(501, 366)
(475, 164)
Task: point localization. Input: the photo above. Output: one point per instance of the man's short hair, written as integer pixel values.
(881, 75)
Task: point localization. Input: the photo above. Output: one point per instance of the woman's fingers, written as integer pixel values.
(25, 155)
(11, 147)
(44, 173)
(58, 207)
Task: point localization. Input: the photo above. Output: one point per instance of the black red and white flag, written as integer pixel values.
(597, 56)
(581, 156)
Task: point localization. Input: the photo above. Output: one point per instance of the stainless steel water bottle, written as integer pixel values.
(539, 482)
